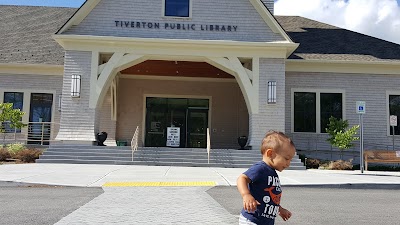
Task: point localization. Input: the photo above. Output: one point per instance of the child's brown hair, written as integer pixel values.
(274, 140)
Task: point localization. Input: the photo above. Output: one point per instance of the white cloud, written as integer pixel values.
(377, 18)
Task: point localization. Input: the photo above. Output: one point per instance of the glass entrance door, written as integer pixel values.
(156, 122)
(167, 114)
(197, 123)
(39, 118)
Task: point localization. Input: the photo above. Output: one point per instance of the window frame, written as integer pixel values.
(318, 106)
(177, 17)
(12, 130)
(27, 103)
(388, 127)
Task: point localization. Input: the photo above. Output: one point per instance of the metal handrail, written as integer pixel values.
(208, 145)
(38, 132)
(134, 141)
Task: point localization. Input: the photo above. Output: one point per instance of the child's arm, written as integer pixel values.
(284, 213)
(249, 203)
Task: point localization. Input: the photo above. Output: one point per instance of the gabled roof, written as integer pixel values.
(259, 6)
(320, 41)
(25, 34)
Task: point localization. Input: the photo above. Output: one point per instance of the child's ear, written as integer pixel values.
(269, 152)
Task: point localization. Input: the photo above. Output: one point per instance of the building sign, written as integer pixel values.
(175, 26)
(173, 136)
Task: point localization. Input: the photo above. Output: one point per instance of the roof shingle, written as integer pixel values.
(320, 41)
(26, 32)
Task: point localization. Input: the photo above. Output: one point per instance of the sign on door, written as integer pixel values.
(173, 136)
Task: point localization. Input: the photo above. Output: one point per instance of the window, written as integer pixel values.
(331, 105)
(312, 110)
(17, 98)
(394, 109)
(177, 8)
(304, 112)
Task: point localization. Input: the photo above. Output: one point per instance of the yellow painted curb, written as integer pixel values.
(160, 184)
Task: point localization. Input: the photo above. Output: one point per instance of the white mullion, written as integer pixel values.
(318, 112)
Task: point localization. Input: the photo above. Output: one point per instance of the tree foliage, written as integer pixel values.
(340, 136)
(11, 116)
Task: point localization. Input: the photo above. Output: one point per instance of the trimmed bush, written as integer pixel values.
(312, 163)
(4, 154)
(340, 165)
(28, 155)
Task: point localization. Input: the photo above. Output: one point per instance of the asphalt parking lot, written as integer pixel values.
(41, 204)
(344, 204)
(46, 204)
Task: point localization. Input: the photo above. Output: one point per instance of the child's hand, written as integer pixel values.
(284, 213)
(249, 203)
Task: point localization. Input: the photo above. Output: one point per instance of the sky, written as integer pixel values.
(377, 18)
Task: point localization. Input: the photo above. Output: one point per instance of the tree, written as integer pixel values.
(10, 116)
(340, 136)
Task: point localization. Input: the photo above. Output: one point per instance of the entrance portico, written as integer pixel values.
(252, 53)
(252, 65)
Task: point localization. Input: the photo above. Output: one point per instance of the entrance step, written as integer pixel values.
(122, 155)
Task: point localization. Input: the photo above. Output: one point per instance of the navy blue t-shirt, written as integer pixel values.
(265, 187)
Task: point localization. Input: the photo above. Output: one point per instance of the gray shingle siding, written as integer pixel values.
(29, 83)
(250, 26)
(270, 116)
(77, 120)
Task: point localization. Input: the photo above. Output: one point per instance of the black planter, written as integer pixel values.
(101, 138)
(242, 140)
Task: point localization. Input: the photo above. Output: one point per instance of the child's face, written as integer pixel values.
(280, 160)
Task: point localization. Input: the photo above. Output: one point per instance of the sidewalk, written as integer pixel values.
(84, 175)
(164, 205)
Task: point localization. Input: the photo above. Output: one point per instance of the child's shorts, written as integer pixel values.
(244, 221)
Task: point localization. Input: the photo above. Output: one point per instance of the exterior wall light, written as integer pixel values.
(59, 102)
(271, 92)
(76, 86)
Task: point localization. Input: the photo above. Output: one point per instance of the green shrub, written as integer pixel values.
(340, 136)
(14, 148)
(340, 165)
(4, 154)
(28, 155)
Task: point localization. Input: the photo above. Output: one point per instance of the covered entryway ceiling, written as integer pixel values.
(176, 69)
(103, 76)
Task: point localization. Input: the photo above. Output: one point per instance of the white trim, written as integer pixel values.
(340, 66)
(93, 79)
(176, 78)
(157, 46)
(173, 96)
(269, 19)
(114, 99)
(79, 15)
(389, 92)
(31, 69)
(317, 92)
(177, 17)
